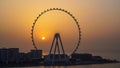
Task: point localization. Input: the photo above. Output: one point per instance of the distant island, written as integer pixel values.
(11, 57)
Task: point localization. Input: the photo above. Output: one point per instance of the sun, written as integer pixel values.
(43, 38)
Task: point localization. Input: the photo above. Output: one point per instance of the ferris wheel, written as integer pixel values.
(56, 9)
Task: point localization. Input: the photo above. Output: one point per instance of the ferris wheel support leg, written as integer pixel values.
(58, 51)
(54, 53)
(65, 57)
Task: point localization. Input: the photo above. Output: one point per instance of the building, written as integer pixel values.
(23, 57)
(35, 54)
(82, 57)
(12, 55)
(4, 55)
(9, 55)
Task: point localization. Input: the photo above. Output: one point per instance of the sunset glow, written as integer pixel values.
(43, 38)
(99, 22)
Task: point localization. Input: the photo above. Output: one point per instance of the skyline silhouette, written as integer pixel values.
(99, 22)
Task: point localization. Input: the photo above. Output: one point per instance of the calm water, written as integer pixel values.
(113, 65)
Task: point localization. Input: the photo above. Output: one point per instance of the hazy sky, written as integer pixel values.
(99, 21)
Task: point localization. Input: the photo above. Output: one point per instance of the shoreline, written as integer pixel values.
(42, 64)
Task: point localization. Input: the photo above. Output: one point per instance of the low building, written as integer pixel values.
(36, 54)
(82, 57)
(57, 59)
(13, 54)
(4, 55)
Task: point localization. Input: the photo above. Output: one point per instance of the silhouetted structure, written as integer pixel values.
(57, 58)
(82, 57)
(9, 55)
(12, 55)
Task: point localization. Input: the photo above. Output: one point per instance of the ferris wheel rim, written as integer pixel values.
(59, 9)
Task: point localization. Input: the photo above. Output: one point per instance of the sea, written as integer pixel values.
(110, 55)
(110, 65)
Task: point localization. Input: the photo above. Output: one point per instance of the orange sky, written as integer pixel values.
(99, 21)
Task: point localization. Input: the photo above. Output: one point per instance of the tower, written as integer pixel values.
(54, 57)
